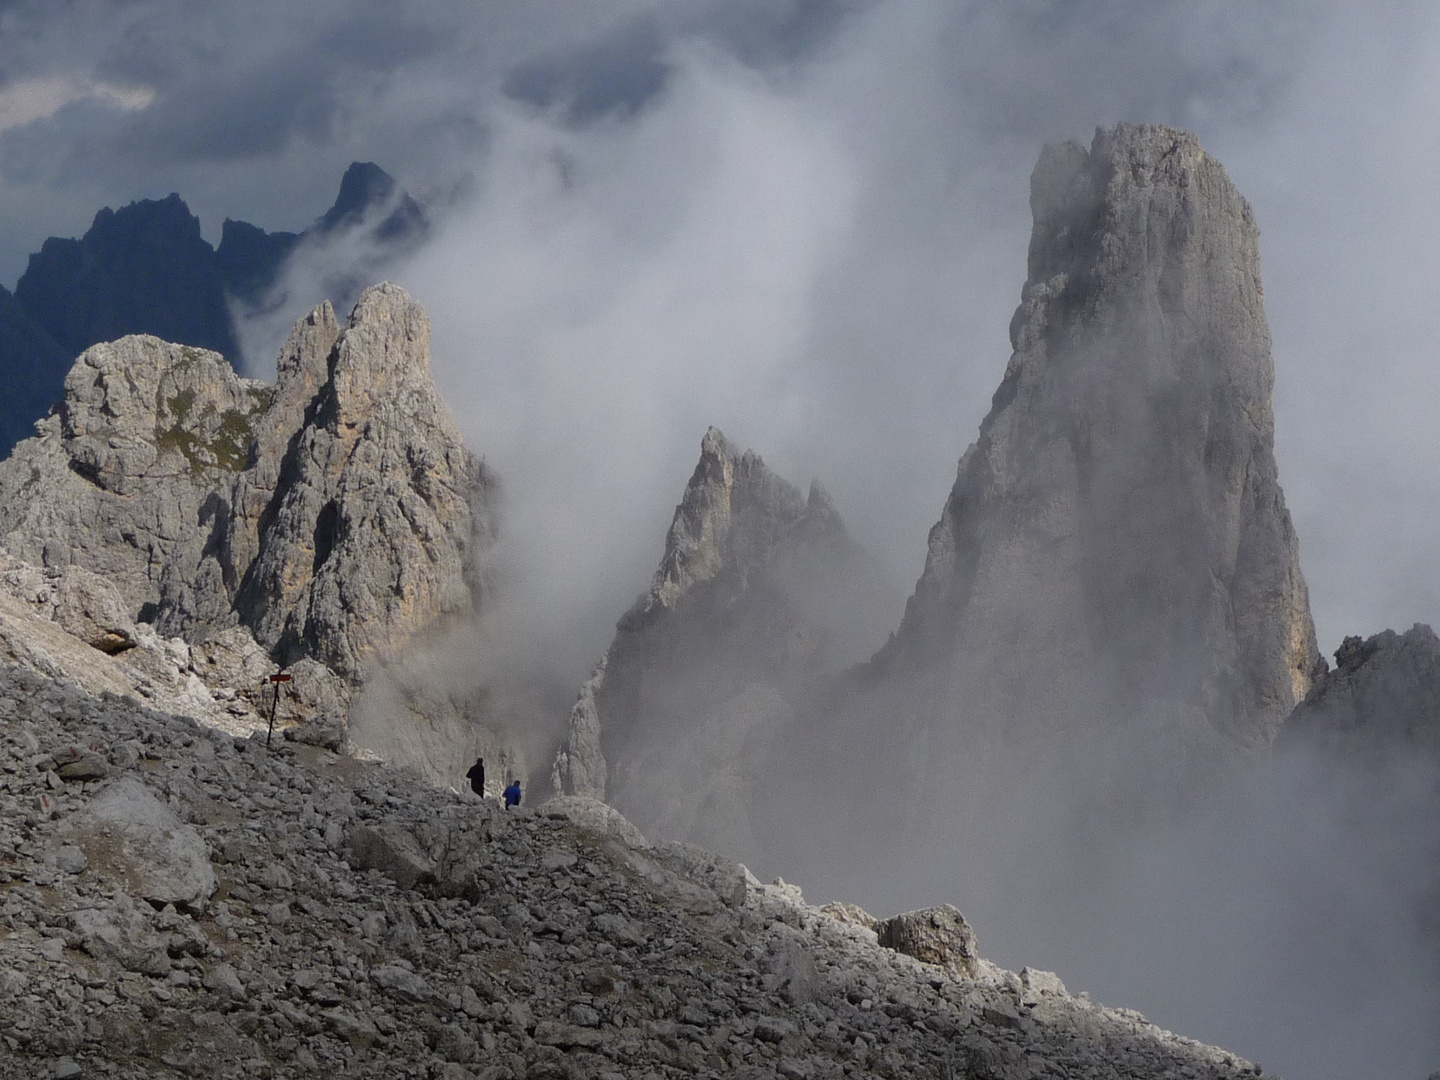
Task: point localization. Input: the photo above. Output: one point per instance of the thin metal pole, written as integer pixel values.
(273, 702)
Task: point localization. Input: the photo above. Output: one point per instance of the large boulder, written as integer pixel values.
(119, 932)
(392, 850)
(595, 817)
(938, 935)
(134, 840)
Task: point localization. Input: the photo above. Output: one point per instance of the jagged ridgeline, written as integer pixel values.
(145, 268)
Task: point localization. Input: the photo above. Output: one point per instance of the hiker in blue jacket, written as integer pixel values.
(512, 794)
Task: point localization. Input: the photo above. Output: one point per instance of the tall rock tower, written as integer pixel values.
(1115, 572)
(761, 594)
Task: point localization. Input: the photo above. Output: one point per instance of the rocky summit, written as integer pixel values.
(1116, 542)
(334, 514)
(178, 901)
(760, 594)
(1112, 596)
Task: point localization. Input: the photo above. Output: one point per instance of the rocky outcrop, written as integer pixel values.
(1115, 560)
(580, 767)
(1380, 705)
(490, 943)
(80, 601)
(334, 515)
(760, 593)
(68, 623)
(131, 477)
(372, 536)
(936, 936)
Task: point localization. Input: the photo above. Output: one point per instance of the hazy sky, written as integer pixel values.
(804, 221)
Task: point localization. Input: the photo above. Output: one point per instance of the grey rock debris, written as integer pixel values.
(536, 943)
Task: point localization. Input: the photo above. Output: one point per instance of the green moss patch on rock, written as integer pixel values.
(209, 441)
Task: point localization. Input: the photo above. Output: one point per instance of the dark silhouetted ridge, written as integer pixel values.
(142, 269)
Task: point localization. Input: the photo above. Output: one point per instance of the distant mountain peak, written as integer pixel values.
(143, 268)
(364, 186)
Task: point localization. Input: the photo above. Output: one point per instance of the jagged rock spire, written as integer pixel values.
(370, 536)
(760, 590)
(1116, 544)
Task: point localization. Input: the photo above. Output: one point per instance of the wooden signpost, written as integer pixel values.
(277, 679)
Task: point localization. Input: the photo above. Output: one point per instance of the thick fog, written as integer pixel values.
(806, 223)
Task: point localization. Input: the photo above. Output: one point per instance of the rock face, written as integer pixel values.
(1381, 703)
(1115, 561)
(334, 515)
(760, 593)
(489, 943)
(371, 538)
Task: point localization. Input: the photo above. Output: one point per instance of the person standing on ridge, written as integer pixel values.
(512, 794)
(476, 776)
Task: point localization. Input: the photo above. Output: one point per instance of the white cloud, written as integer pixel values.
(37, 99)
(610, 294)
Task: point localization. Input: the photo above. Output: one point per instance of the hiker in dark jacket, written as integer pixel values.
(512, 794)
(476, 776)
